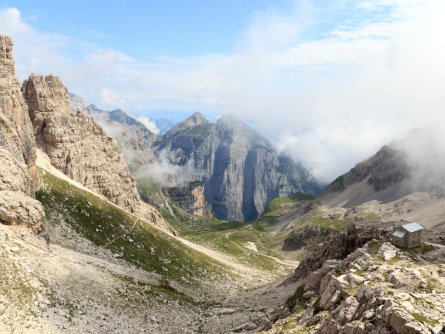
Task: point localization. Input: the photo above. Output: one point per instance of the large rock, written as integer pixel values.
(18, 174)
(337, 246)
(79, 147)
(356, 297)
(240, 169)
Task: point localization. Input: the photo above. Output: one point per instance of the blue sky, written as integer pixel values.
(147, 29)
(327, 81)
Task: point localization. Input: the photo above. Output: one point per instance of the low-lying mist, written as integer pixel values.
(424, 151)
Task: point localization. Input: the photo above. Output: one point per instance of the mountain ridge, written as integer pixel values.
(232, 160)
(240, 169)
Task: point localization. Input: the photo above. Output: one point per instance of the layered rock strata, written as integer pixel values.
(190, 198)
(79, 147)
(240, 169)
(18, 173)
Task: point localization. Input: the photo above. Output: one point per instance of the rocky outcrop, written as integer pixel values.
(364, 293)
(190, 198)
(301, 238)
(383, 177)
(240, 169)
(336, 246)
(413, 164)
(79, 147)
(18, 173)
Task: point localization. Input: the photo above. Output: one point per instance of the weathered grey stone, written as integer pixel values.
(240, 169)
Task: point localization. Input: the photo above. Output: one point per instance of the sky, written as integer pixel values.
(328, 82)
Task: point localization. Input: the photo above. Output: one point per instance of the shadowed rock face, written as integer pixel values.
(190, 198)
(384, 177)
(18, 174)
(79, 147)
(385, 168)
(413, 164)
(241, 171)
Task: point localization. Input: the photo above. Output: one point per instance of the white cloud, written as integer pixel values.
(149, 124)
(330, 97)
(12, 23)
(111, 98)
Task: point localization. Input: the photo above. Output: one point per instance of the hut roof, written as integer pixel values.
(412, 227)
(399, 234)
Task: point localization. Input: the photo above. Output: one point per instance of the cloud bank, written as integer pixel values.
(328, 84)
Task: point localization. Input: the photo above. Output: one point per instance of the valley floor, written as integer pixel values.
(66, 290)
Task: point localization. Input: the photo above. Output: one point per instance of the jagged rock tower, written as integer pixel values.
(18, 174)
(79, 147)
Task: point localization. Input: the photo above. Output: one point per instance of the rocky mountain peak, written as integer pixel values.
(6, 60)
(240, 169)
(229, 119)
(79, 147)
(197, 119)
(243, 132)
(194, 120)
(132, 136)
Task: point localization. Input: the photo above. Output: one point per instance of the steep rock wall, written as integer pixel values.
(18, 174)
(79, 147)
(240, 169)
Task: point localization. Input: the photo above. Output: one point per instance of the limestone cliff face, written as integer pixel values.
(190, 198)
(240, 170)
(18, 176)
(79, 147)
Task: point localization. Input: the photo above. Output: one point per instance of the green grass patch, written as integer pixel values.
(289, 325)
(317, 217)
(275, 206)
(359, 272)
(126, 236)
(147, 187)
(424, 320)
(373, 247)
(422, 248)
(227, 237)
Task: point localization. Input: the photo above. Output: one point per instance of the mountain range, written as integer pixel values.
(81, 252)
(240, 169)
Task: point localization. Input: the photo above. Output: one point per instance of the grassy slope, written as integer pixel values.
(232, 237)
(127, 237)
(278, 205)
(147, 188)
(227, 237)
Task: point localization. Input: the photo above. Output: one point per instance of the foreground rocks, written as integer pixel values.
(18, 173)
(364, 293)
(336, 246)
